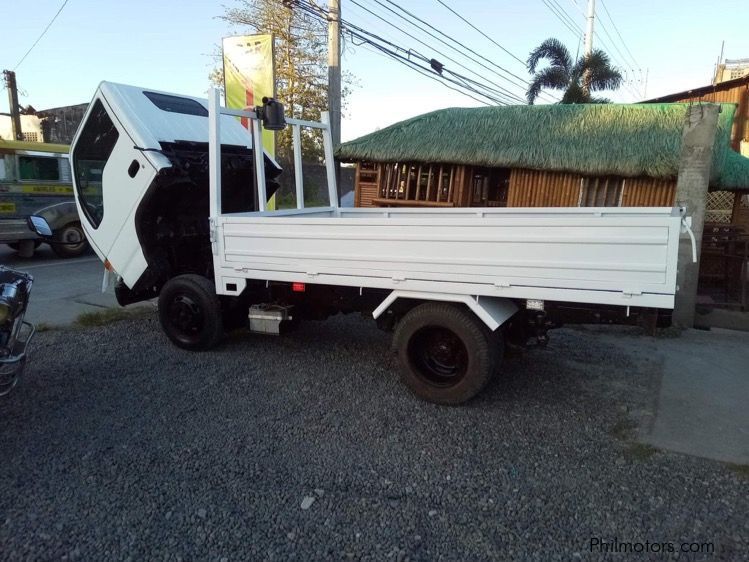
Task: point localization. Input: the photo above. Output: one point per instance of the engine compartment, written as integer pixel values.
(172, 218)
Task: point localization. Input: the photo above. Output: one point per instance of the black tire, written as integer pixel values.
(69, 241)
(446, 354)
(190, 312)
(15, 246)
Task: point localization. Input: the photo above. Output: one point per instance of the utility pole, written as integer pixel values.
(591, 17)
(334, 78)
(15, 112)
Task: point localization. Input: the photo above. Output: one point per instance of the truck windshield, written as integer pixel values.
(90, 155)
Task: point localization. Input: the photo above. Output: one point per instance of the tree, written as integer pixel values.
(301, 64)
(591, 73)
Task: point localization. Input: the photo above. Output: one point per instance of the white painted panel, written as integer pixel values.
(620, 251)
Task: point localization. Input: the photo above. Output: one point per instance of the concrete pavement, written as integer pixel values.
(63, 289)
(702, 404)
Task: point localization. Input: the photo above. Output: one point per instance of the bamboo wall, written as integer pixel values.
(648, 192)
(366, 184)
(533, 188)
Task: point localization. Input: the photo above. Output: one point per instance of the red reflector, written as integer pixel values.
(298, 287)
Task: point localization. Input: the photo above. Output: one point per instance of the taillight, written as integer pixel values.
(298, 287)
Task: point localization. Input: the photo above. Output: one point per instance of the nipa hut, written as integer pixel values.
(535, 156)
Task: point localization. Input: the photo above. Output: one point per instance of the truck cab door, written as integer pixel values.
(110, 175)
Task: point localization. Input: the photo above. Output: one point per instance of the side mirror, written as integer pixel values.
(40, 226)
(272, 115)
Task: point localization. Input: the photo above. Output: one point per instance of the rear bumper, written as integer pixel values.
(13, 230)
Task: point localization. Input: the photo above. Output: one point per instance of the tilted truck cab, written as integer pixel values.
(140, 167)
(172, 192)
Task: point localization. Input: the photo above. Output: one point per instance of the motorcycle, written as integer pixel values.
(15, 332)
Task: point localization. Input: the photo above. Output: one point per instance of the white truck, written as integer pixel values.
(180, 213)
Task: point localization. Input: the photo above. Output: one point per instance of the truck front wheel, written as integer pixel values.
(190, 312)
(446, 354)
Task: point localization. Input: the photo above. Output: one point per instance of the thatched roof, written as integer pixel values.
(625, 140)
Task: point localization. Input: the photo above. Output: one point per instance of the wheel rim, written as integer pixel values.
(73, 238)
(438, 355)
(185, 316)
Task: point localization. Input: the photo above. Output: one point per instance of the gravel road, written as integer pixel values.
(119, 446)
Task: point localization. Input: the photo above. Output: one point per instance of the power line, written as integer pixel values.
(576, 31)
(624, 66)
(549, 97)
(523, 83)
(569, 22)
(424, 70)
(565, 14)
(420, 71)
(481, 32)
(370, 39)
(65, 2)
(616, 29)
(497, 88)
(508, 93)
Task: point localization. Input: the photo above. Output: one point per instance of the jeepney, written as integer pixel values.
(35, 179)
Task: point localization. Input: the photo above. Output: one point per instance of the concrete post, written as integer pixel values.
(698, 138)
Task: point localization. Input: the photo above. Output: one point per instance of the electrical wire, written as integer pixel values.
(371, 38)
(549, 97)
(394, 51)
(523, 82)
(616, 29)
(576, 31)
(505, 92)
(43, 33)
(564, 14)
(481, 32)
(566, 19)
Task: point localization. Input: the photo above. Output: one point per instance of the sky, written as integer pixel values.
(169, 45)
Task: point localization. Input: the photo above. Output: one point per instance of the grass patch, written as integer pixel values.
(741, 470)
(108, 316)
(44, 327)
(639, 452)
(623, 429)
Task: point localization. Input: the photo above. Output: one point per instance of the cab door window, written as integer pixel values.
(92, 150)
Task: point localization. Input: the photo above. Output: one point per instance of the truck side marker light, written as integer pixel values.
(298, 287)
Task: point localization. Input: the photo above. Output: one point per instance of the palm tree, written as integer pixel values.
(588, 74)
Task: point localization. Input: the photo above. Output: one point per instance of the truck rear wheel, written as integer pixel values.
(446, 354)
(190, 312)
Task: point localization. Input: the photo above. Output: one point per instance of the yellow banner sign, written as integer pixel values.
(249, 76)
